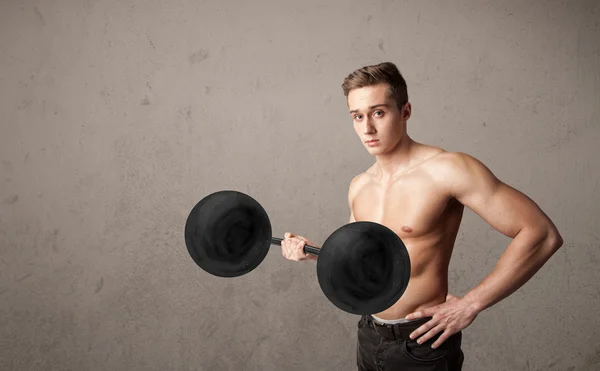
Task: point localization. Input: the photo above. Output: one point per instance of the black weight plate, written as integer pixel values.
(363, 268)
(228, 233)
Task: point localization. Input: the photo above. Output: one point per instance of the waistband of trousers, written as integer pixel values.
(397, 331)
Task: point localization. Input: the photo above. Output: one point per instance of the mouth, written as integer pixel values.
(372, 142)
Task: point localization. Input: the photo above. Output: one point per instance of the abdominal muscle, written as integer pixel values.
(428, 284)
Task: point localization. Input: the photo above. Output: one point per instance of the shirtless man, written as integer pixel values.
(419, 191)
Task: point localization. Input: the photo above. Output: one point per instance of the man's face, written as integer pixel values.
(377, 120)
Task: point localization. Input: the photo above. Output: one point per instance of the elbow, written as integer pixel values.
(554, 239)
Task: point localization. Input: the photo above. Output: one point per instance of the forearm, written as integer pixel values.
(525, 255)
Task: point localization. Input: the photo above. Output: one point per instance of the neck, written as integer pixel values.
(397, 160)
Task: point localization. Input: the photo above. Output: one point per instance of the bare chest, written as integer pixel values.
(411, 209)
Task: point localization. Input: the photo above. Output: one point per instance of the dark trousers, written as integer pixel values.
(382, 347)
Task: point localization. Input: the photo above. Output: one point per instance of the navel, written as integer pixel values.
(406, 229)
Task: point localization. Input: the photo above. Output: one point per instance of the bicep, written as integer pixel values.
(503, 207)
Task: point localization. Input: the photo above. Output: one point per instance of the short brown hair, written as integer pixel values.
(386, 72)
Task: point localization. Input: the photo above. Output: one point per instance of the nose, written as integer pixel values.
(369, 127)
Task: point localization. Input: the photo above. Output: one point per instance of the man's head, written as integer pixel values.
(383, 73)
(377, 98)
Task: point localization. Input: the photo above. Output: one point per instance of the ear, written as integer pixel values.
(406, 111)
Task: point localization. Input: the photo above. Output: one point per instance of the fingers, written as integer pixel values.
(422, 313)
(423, 329)
(431, 329)
(441, 339)
(292, 247)
(431, 333)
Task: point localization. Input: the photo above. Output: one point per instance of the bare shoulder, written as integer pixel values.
(358, 182)
(457, 169)
(449, 160)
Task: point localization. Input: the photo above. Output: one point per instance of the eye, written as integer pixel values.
(357, 117)
(379, 112)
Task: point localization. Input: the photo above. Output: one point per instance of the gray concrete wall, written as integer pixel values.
(118, 116)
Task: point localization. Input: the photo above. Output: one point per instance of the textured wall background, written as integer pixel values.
(118, 116)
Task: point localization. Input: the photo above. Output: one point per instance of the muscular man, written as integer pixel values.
(419, 191)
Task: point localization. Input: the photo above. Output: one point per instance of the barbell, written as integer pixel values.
(362, 268)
